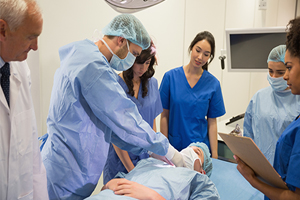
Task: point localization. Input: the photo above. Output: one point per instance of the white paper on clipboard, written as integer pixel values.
(247, 151)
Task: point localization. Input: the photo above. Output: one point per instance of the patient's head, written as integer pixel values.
(197, 157)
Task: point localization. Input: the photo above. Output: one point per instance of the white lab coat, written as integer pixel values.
(22, 173)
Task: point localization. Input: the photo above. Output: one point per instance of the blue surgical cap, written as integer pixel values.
(130, 28)
(207, 164)
(277, 54)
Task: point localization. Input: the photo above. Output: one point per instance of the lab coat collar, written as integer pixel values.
(15, 82)
(2, 97)
(1, 62)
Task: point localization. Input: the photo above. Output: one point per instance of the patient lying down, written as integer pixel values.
(155, 179)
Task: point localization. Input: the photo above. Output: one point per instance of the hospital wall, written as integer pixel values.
(173, 24)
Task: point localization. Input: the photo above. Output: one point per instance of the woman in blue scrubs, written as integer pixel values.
(287, 154)
(271, 109)
(192, 98)
(142, 88)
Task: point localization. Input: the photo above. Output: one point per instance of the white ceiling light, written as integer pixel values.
(131, 6)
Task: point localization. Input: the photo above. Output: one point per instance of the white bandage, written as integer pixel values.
(175, 157)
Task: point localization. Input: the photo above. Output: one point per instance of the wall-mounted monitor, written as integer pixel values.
(248, 49)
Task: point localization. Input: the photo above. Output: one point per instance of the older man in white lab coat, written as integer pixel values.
(22, 172)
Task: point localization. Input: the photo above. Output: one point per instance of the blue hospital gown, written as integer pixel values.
(88, 110)
(188, 107)
(149, 107)
(267, 116)
(172, 183)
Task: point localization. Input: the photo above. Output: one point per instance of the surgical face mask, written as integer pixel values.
(278, 84)
(189, 156)
(118, 63)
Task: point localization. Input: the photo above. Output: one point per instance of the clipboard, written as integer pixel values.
(246, 150)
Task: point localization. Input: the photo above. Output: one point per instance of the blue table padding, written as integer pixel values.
(231, 184)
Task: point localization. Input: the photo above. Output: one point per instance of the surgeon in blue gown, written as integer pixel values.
(287, 154)
(142, 88)
(154, 179)
(273, 108)
(89, 109)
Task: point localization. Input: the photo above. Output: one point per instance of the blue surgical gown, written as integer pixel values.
(267, 116)
(188, 107)
(170, 182)
(88, 110)
(287, 155)
(149, 107)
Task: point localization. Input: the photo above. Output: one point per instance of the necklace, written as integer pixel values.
(136, 82)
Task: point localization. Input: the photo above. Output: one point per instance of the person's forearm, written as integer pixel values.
(272, 192)
(154, 125)
(213, 137)
(124, 157)
(156, 196)
(164, 122)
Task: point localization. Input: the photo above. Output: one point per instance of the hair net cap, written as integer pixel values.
(130, 28)
(277, 54)
(207, 164)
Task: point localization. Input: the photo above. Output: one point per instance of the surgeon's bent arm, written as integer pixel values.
(213, 136)
(124, 125)
(164, 122)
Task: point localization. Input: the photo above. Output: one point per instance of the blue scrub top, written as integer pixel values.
(188, 107)
(149, 107)
(268, 114)
(287, 155)
(88, 110)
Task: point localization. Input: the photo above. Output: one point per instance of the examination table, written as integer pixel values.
(231, 184)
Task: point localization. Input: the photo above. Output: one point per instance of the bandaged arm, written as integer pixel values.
(173, 155)
(176, 157)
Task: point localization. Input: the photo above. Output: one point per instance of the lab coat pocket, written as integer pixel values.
(24, 131)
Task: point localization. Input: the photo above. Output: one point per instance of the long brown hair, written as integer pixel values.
(205, 35)
(141, 59)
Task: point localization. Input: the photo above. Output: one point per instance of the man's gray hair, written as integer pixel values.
(13, 12)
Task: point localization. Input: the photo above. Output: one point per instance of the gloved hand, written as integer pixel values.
(162, 158)
(175, 157)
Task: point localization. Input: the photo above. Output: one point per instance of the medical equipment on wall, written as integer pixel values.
(235, 118)
(244, 44)
(222, 58)
(131, 6)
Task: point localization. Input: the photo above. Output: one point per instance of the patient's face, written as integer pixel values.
(197, 165)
